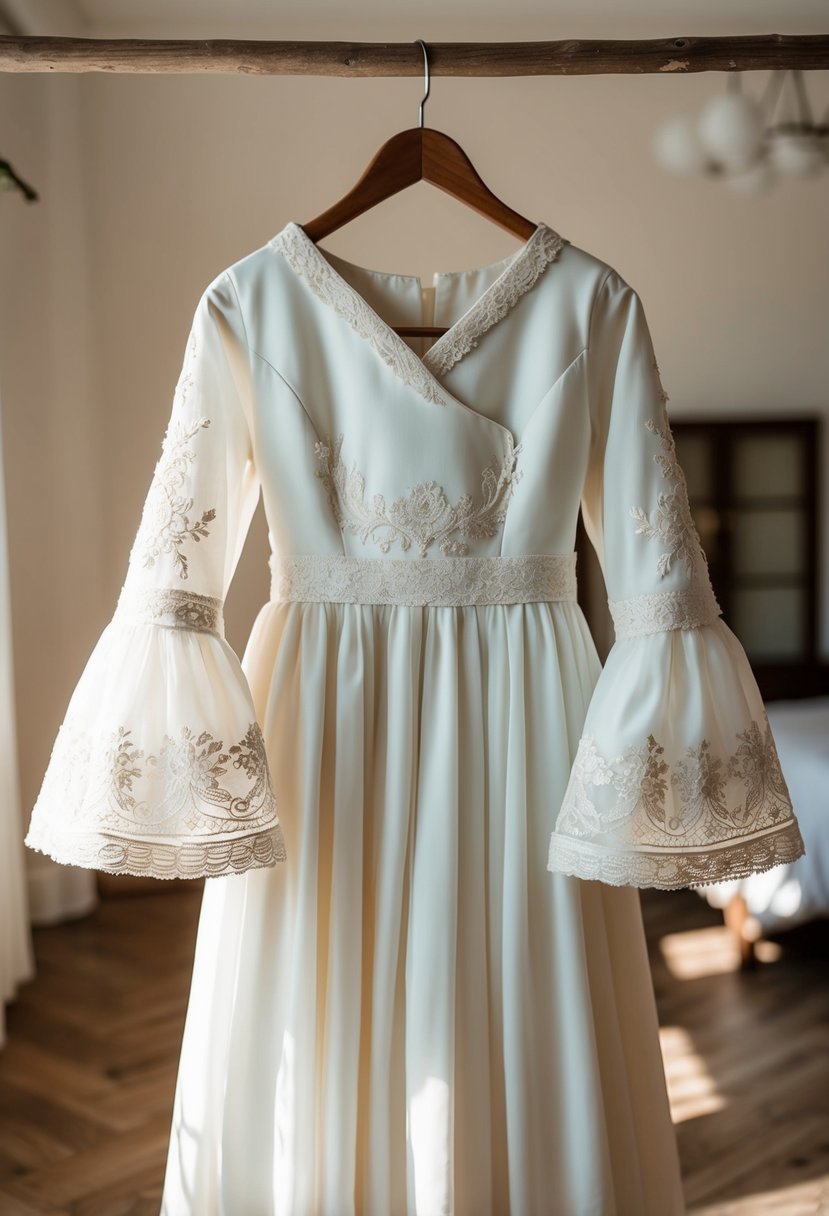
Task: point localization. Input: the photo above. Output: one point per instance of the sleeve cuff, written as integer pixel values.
(159, 767)
(661, 611)
(676, 781)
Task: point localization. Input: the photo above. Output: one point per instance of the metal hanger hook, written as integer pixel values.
(426, 71)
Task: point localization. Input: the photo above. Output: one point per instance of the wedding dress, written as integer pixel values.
(421, 983)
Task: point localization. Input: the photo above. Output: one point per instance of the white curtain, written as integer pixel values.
(16, 958)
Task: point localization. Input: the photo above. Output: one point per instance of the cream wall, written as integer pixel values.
(183, 175)
(51, 434)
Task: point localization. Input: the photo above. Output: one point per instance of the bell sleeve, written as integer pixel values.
(676, 780)
(159, 767)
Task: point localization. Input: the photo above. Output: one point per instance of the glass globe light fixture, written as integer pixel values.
(731, 130)
(734, 140)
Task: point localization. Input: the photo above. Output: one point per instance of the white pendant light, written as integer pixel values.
(734, 140)
(731, 130)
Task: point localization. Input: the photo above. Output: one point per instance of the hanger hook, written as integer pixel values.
(426, 71)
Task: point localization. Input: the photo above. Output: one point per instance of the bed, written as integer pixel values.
(788, 895)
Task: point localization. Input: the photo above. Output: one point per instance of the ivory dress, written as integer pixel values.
(424, 988)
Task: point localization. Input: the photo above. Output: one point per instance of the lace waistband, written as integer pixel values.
(436, 581)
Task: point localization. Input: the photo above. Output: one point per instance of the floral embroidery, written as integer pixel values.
(757, 763)
(194, 763)
(701, 780)
(701, 818)
(131, 811)
(165, 522)
(672, 523)
(424, 514)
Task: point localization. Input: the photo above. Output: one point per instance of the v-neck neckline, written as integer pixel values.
(520, 271)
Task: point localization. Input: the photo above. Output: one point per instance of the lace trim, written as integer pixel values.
(424, 514)
(700, 802)
(662, 611)
(543, 248)
(669, 872)
(194, 792)
(169, 606)
(152, 859)
(166, 523)
(440, 581)
(304, 257)
(328, 285)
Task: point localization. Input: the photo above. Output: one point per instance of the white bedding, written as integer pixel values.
(791, 894)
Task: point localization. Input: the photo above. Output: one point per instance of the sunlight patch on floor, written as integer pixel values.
(691, 1088)
(700, 952)
(806, 1199)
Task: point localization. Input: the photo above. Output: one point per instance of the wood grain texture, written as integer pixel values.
(567, 57)
(88, 1074)
(747, 1059)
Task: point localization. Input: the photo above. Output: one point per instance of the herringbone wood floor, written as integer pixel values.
(87, 1077)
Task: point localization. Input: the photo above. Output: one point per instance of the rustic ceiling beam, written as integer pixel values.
(567, 57)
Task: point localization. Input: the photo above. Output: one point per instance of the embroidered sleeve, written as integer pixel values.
(676, 780)
(159, 767)
(205, 487)
(635, 502)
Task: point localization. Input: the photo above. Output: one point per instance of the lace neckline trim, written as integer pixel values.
(521, 270)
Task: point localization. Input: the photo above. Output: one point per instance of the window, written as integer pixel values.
(753, 493)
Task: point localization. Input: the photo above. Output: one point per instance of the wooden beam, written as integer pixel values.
(569, 57)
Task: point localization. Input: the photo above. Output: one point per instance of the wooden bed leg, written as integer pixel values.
(745, 929)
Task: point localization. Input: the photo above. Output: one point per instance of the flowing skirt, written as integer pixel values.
(412, 1016)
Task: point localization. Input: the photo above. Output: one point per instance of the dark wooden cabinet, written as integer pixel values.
(753, 489)
(753, 493)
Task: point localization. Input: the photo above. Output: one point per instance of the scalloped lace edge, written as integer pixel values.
(669, 871)
(116, 854)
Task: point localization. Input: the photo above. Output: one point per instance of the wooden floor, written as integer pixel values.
(87, 1077)
(747, 1060)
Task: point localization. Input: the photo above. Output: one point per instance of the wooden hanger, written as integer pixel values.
(414, 155)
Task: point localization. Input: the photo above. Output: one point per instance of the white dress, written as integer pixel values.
(424, 989)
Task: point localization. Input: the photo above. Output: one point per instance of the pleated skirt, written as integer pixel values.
(412, 1016)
